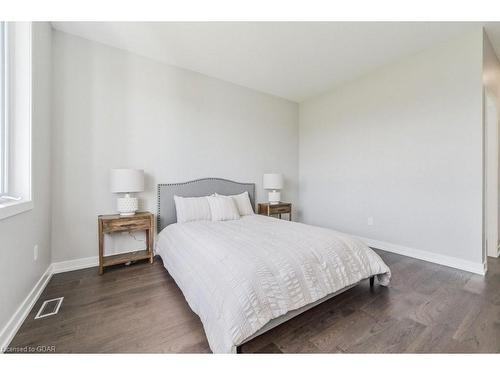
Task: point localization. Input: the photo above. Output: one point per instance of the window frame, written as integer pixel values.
(17, 122)
(4, 105)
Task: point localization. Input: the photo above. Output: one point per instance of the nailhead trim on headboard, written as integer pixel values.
(220, 185)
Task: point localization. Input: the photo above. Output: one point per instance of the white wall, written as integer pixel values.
(116, 109)
(18, 234)
(402, 145)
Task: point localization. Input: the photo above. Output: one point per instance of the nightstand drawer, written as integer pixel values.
(275, 209)
(279, 209)
(126, 224)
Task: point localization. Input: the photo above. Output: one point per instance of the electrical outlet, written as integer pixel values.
(370, 221)
(35, 253)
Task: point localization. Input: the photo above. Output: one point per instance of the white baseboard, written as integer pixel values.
(461, 264)
(75, 264)
(15, 322)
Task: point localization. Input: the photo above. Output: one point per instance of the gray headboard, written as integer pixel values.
(196, 188)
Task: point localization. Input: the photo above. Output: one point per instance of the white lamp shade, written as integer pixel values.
(273, 181)
(127, 180)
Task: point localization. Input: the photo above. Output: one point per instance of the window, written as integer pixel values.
(3, 110)
(15, 118)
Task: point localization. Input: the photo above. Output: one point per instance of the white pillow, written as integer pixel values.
(242, 202)
(223, 208)
(192, 209)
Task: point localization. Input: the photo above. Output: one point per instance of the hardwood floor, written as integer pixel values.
(427, 309)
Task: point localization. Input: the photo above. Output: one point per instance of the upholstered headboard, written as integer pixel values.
(196, 188)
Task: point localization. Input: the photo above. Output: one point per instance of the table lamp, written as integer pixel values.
(127, 181)
(274, 182)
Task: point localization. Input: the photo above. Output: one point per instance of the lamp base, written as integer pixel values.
(274, 197)
(127, 206)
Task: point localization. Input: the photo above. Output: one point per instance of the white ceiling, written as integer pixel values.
(291, 60)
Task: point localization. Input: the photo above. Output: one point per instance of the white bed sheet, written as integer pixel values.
(238, 275)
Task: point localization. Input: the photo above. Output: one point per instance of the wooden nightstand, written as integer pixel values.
(275, 209)
(117, 223)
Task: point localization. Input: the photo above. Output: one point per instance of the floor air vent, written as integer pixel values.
(49, 307)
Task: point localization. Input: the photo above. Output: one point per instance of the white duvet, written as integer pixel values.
(238, 275)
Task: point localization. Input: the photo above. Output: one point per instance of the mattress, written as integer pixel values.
(238, 275)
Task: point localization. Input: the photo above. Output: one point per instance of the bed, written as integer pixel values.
(243, 277)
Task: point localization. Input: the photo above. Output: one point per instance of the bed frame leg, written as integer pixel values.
(238, 349)
(372, 281)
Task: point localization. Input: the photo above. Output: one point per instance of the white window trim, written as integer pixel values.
(5, 107)
(10, 208)
(3, 129)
